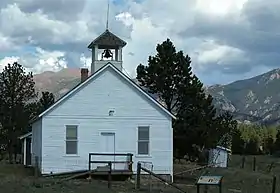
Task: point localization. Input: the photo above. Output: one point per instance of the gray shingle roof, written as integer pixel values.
(107, 39)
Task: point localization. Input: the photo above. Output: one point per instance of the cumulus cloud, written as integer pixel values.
(228, 39)
(5, 43)
(38, 61)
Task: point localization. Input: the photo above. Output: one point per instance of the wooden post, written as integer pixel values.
(24, 152)
(110, 175)
(274, 185)
(36, 169)
(89, 167)
(150, 180)
(89, 162)
(130, 162)
(138, 175)
(254, 163)
(243, 162)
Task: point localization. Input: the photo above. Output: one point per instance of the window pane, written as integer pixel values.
(71, 132)
(143, 133)
(143, 148)
(71, 147)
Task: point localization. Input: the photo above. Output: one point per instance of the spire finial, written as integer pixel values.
(107, 22)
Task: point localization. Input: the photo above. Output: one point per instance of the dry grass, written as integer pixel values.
(16, 178)
(236, 179)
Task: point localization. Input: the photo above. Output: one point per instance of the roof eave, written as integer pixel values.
(25, 135)
(92, 45)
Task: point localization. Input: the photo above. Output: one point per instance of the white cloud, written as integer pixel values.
(85, 61)
(61, 33)
(219, 7)
(8, 60)
(210, 52)
(38, 61)
(6, 43)
(143, 39)
(41, 27)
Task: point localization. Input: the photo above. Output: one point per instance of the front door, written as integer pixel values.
(107, 145)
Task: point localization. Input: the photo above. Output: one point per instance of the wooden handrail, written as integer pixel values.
(112, 154)
(128, 162)
(113, 162)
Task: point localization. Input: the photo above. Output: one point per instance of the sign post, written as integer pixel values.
(209, 181)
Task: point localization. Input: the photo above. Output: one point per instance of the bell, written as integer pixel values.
(107, 53)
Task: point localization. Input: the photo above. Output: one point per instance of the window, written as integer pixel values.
(143, 140)
(71, 139)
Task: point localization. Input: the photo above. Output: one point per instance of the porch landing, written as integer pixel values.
(105, 171)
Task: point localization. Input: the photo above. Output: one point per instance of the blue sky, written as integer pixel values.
(51, 35)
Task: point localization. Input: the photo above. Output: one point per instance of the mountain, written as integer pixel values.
(253, 100)
(58, 83)
(256, 99)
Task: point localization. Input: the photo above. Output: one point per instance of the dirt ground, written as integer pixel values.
(16, 178)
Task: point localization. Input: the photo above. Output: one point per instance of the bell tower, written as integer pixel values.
(106, 48)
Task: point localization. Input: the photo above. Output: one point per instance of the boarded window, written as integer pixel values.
(71, 139)
(143, 140)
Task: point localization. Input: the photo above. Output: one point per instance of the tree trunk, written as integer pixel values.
(10, 151)
(15, 158)
(15, 154)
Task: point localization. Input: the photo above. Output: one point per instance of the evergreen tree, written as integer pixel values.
(227, 127)
(277, 143)
(17, 88)
(169, 76)
(238, 142)
(166, 72)
(46, 100)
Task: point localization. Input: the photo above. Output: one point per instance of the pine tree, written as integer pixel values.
(166, 72)
(17, 88)
(169, 76)
(46, 100)
(277, 143)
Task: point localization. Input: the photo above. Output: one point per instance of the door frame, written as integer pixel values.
(112, 132)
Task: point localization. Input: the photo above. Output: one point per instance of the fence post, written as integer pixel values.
(243, 162)
(130, 160)
(254, 163)
(274, 184)
(89, 162)
(110, 175)
(138, 175)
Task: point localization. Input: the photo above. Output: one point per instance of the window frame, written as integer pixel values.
(143, 140)
(71, 140)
